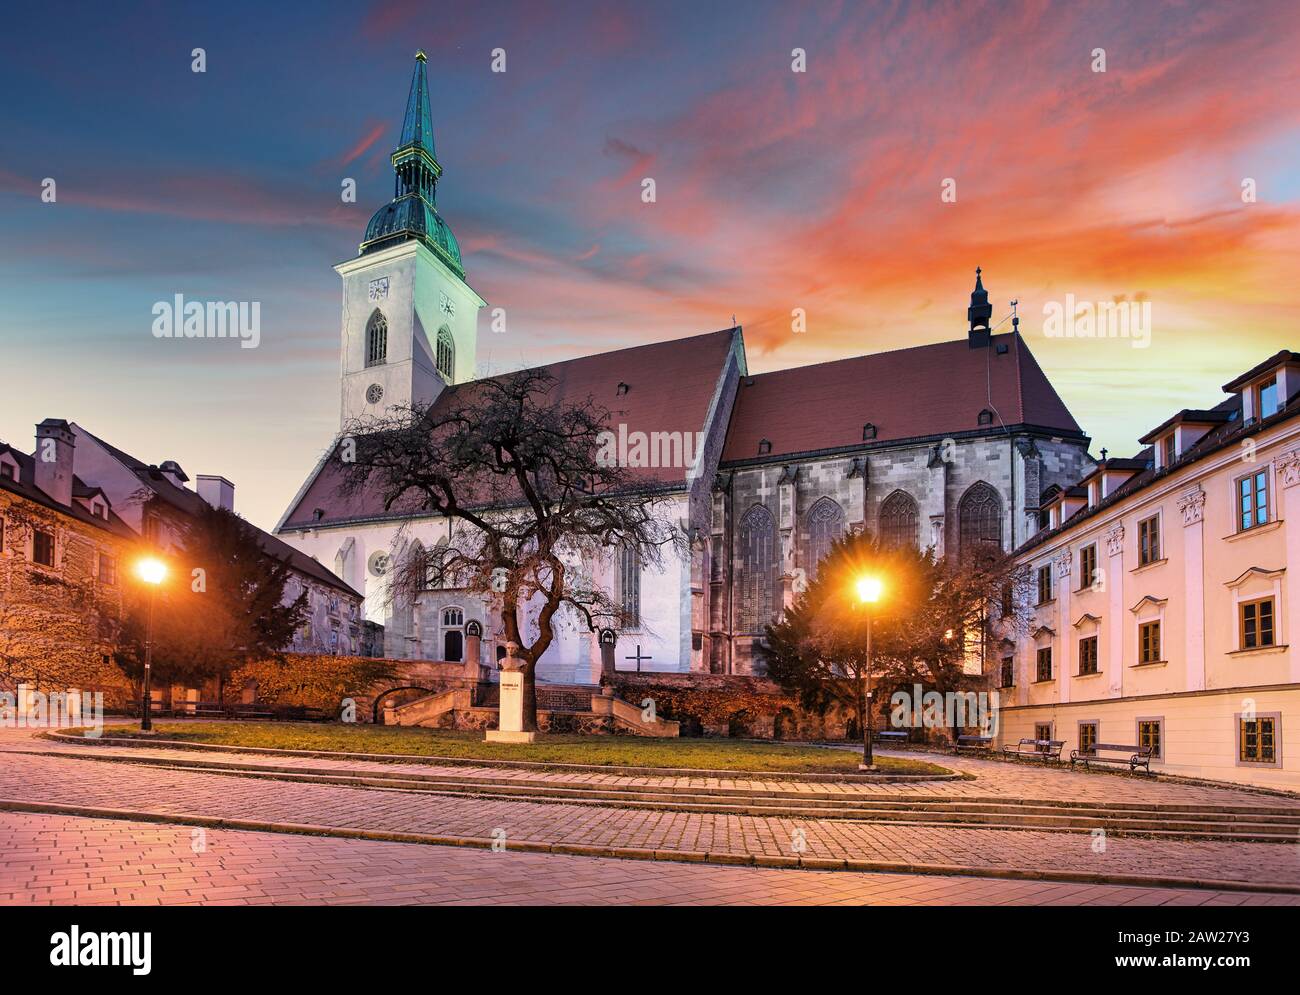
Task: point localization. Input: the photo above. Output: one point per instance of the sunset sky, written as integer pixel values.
(776, 190)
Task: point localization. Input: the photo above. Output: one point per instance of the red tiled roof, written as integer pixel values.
(189, 504)
(923, 391)
(670, 386)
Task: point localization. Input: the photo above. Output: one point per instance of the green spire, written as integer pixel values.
(412, 214)
(417, 127)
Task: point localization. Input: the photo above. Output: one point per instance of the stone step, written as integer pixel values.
(1012, 814)
(480, 780)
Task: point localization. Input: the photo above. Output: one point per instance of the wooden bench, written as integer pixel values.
(1036, 749)
(891, 736)
(220, 710)
(976, 744)
(1132, 756)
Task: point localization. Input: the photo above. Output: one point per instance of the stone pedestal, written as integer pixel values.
(510, 718)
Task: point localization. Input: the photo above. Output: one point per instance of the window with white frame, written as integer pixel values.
(1044, 581)
(1257, 601)
(1043, 663)
(1149, 540)
(1149, 641)
(1088, 655)
(1087, 566)
(1267, 400)
(1252, 500)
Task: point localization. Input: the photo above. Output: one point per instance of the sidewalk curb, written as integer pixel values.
(641, 853)
(180, 744)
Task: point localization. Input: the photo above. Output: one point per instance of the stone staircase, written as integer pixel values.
(1240, 823)
(439, 709)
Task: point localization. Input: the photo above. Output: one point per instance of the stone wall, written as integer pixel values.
(935, 473)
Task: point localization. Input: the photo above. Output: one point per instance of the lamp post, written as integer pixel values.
(869, 590)
(152, 572)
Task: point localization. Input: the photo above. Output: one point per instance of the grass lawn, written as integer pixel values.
(625, 751)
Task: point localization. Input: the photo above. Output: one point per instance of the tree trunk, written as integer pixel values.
(529, 674)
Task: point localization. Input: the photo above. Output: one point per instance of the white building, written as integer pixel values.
(1166, 592)
(948, 444)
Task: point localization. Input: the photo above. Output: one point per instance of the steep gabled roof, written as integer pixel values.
(25, 487)
(190, 505)
(666, 387)
(921, 392)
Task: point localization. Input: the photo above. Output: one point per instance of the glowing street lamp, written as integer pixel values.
(870, 589)
(153, 572)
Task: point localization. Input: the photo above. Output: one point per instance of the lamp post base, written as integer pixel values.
(868, 767)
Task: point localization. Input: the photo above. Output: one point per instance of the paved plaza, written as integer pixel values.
(60, 860)
(66, 856)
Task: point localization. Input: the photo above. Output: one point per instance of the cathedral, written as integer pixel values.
(949, 445)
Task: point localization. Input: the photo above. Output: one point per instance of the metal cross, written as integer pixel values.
(638, 658)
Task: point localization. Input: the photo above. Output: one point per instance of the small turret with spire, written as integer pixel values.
(979, 314)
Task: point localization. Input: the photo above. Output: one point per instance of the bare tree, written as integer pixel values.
(523, 476)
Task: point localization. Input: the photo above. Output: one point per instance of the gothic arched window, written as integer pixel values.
(629, 583)
(758, 569)
(825, 524)
(979, 516)
(446, 354)
(376, 339)
(898, 521)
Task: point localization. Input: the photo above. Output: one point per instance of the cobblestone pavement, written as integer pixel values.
(74, 780)
(992, 778)
(61, 860)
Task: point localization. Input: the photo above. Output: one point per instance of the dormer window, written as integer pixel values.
(868, 432)
(317, 514)
(8, 471)
(621, 389)
(764, 447)
(986, 417)
(1093, 490)
(98, 510)
(1169, 449)
(1267, 400)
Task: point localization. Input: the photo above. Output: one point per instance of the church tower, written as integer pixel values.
(410, 321)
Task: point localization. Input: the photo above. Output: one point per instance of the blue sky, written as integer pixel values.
(776, 190)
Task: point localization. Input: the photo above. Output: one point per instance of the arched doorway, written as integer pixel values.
(453, 635)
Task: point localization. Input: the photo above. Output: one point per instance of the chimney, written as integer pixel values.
(217, 491)
(53, 459)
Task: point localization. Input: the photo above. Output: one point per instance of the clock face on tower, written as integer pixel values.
(377, 289)
(446, 305)
(374, 393)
